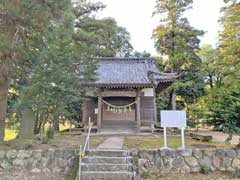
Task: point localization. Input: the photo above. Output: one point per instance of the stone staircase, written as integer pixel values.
(107, 165)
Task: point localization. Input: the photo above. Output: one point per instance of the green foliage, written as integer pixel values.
(211, 66)
(192, 124)
(44, 140)
(229, 42)
(224, 104)
(53, 81)
(213, 96)
(52, 46)
(236, 173)
(205, 169)
(102, 36)
(23, 27)
(149, 176)
(143, 54)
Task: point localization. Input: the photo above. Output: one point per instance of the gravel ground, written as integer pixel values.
(20, 175)
(23, 175)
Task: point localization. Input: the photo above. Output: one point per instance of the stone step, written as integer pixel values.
(109, 153)
(106, 160)
(107, 167)
(117, 126)
(105, 175)
(119, 122)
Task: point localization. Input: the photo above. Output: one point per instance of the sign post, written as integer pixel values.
(165, 137)
(173, 119)
(183, 139)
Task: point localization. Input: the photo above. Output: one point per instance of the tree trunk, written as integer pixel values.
(3, 109)
(27, 124)
(36, 124)
(173, 100)
(56, 123)
(211, 80)
(4, 72)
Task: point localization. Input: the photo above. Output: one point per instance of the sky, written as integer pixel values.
(136, 17)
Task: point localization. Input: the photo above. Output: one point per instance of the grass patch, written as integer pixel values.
(74, 141)
(196, 176)
(17, 144)
(58, 142)
(150, 142)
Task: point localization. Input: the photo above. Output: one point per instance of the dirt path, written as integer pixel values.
(112, 143)
(220, 136)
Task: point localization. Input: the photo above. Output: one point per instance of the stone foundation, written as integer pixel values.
(188, 160)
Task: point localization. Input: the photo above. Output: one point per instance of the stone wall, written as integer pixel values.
(159, 160)
(188, 160)
(37, 161)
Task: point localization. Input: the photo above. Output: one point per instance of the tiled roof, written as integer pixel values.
(129, 72)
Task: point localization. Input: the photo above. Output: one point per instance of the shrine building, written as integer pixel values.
(125, 93)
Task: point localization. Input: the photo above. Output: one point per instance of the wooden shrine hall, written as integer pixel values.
(125, 93)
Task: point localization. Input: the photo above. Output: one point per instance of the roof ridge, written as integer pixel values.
(127, 58)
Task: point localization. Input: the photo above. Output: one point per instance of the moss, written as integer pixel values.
(149, 176)
(75, 168)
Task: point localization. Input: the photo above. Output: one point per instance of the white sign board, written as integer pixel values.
(173, 119)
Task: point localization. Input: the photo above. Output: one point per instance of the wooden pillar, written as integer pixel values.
(99, 116)
(155, 106)
(138, 111)
(84, 111)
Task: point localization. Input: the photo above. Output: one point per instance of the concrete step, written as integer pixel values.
(119, 122)
(105, 175)
(107, 167)
(106, 160)
(109, 153)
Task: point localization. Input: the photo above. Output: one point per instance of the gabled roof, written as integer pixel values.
(129, 72)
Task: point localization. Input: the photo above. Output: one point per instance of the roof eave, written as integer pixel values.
(119, 85)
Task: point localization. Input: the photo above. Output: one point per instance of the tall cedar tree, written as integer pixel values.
(53, 89)
(176, 40)
(106, 38)
(19, 22)
(102, 36)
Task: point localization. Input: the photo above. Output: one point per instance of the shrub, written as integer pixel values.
(50, 133)
(205, 169)
(238, 145)
(149, 176)
(236, 173)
